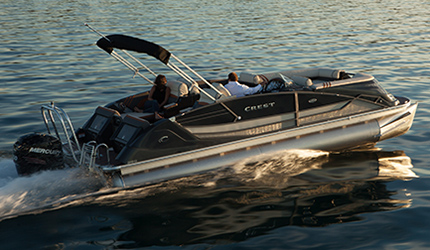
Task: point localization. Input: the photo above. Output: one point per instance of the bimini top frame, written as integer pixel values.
(124, 43)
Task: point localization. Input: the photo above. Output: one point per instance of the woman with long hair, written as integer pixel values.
(158, 96)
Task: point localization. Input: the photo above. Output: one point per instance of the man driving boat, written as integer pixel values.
(238, 90)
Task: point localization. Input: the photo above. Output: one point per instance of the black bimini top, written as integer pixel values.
(110, 42)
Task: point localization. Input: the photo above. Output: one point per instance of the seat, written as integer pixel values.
(180, 98)
(129, 129)
(182, 103)
(135, 101)
(301, 77)
(204, 99)
(177, 89)
(101, 125)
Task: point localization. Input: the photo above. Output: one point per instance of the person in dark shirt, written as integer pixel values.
(158, 96)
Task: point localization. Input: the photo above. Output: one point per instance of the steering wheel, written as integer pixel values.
(275, 83)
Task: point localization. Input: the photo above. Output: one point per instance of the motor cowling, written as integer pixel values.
(37, 152)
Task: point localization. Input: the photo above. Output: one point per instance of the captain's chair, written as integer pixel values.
(177, 89)
(180, 98)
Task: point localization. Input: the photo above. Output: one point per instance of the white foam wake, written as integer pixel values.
(278, 167)
(21, 194)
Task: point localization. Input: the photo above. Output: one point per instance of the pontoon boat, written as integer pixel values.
(205, 128)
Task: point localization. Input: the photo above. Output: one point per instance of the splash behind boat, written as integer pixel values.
(205, 127)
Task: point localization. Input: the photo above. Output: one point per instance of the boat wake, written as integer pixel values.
(23, 194)
(53, 190)
(275, 169)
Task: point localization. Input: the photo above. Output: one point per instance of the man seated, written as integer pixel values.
(238, 90)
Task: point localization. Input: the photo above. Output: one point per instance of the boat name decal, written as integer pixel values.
(259, 106)
(45, 151)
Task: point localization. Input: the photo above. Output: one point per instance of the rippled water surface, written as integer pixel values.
(293, 200)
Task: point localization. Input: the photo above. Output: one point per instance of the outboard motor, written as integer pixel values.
(37, 152)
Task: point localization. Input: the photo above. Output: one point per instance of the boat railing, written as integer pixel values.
(57, 119)
(89, 154)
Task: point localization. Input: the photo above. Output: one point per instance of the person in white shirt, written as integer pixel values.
(237, 89)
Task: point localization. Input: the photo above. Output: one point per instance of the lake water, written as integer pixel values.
(296, 199)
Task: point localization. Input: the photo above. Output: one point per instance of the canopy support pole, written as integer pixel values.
(165, 60)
